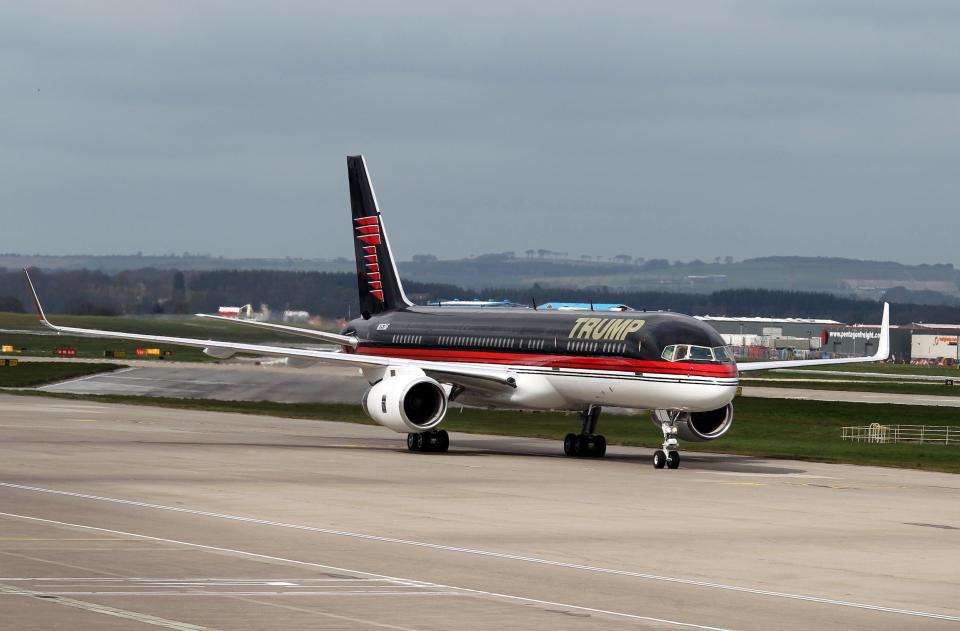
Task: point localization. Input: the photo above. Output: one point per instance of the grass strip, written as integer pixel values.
(935, 389)
(889, 369)
(29, 374)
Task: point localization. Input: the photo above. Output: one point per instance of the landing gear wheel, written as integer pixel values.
(673, 459)
(586, 444)
(577, 446)
(443, 441)
(414, 442)
(428, 441)
(600, 447)
(660, 459)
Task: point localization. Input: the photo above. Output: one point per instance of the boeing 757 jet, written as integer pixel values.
(418, 359)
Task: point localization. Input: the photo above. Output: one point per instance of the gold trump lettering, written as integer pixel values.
(604, 328)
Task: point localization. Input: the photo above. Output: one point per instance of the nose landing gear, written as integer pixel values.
(586, 444)
(669, 456)
(668, 459)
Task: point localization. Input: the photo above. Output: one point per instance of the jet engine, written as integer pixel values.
(696, 426)
(406, 402)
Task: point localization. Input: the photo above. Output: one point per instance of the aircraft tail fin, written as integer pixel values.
(377, 279)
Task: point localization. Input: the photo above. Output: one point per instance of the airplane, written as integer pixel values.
(420, 359)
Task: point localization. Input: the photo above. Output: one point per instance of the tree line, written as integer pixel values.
(334, 295)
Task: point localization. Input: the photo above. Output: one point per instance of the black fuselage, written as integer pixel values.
(440, 331)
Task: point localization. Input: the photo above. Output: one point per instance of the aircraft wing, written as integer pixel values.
(883, 352)
(333, 338)
(468, 377)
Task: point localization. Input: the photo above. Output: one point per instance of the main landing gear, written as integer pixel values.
(435, 441)
(669, 456)
(586, 444)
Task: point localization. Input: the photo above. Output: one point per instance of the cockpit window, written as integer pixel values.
(701, 353)
(724, 354)
(686, 352)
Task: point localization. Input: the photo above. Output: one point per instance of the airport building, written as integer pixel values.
(787, 338)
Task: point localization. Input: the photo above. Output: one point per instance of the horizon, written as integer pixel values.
(610, 259)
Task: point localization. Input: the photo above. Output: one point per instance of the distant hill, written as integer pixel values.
(927, 284)
(112, 264)
(939, 283)
(151, 291)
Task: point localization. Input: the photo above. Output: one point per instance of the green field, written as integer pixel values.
(803, 430)
(29, 374)
(889, 369)
(843, 379)
(860, 385)
(45, 345)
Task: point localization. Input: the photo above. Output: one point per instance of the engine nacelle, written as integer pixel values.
(406, 401)
(697, 426)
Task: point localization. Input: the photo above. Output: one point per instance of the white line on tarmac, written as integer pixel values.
(69, 381)
(248, 593)
(497, 555)
(180, 381)
(200, 581)
(463, 590)
(103, 609)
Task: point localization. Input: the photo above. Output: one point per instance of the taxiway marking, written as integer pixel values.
(461, 590)
(493, 554)
(156, 621)
(69, 381)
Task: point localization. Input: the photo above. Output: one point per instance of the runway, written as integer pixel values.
(124, 517)
(337, 384)
(227, 382)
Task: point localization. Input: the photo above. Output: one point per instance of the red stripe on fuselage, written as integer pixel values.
(554, 361)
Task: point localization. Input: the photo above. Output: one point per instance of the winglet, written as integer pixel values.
(36, 302)
(883, 348)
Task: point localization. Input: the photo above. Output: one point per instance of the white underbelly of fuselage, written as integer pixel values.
(576, 390)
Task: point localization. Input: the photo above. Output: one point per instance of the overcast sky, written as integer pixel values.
(658, 129)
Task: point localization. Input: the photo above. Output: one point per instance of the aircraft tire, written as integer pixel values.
(568, 442)
(443, 443)
(600, 446)
(673, 460)
(659, 459)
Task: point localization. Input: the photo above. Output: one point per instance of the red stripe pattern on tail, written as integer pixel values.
(368, 233)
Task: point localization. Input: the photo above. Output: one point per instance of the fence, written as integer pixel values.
(917, 434)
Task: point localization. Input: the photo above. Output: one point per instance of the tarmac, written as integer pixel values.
(128, 517)
(228, 382)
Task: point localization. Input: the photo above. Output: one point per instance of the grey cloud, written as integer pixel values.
(678, 130)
